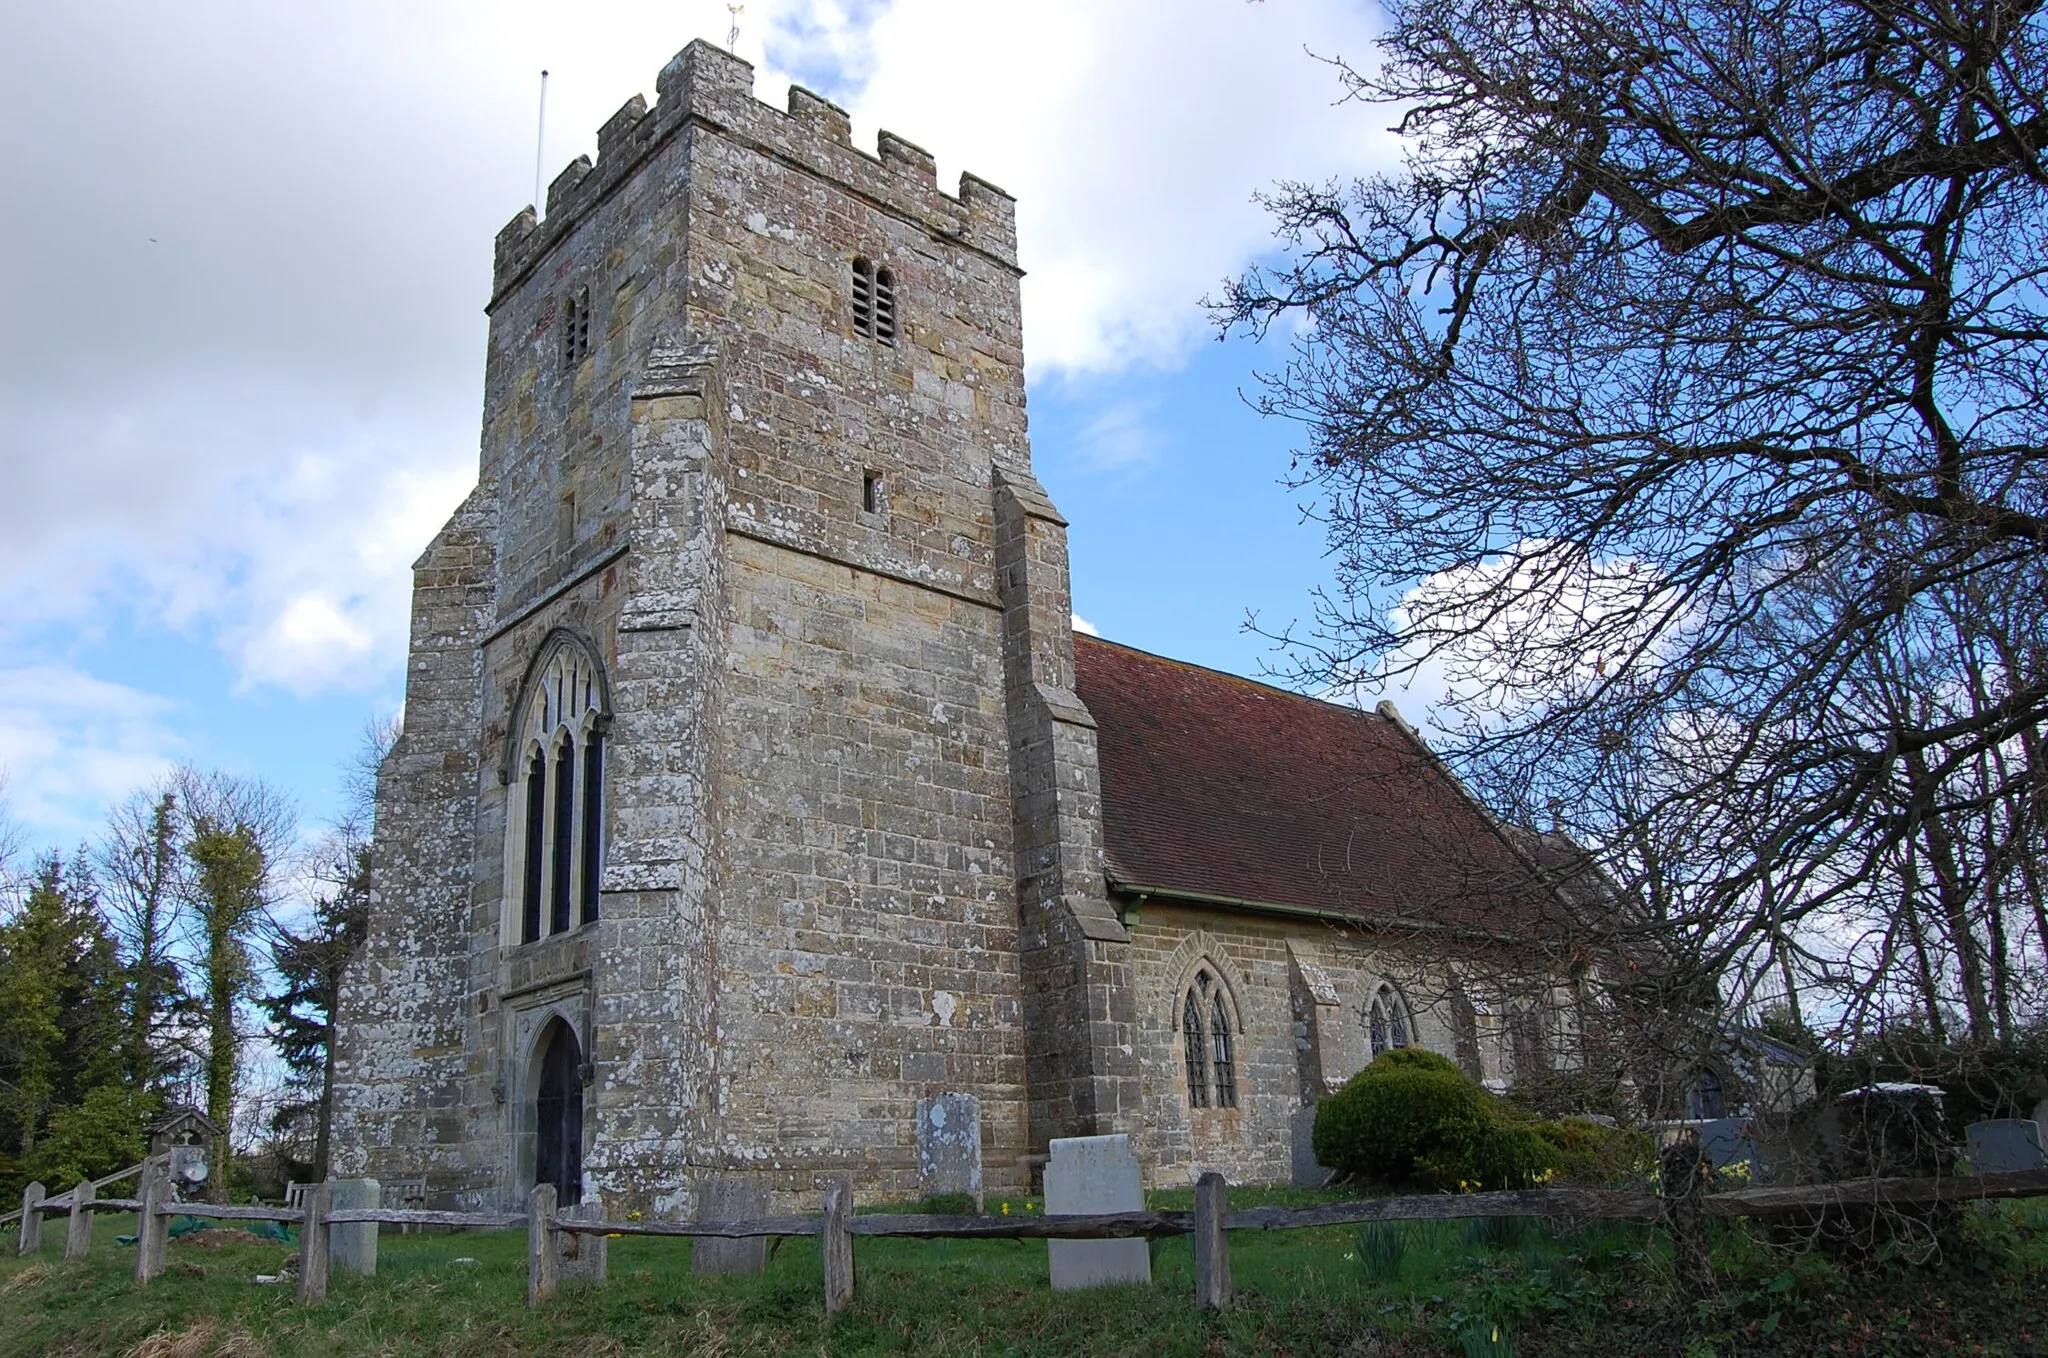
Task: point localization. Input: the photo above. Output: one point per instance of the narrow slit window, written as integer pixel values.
(871, 492)
(593, 822)
(565, 811)
(1220, 1060)
(1197, 1058)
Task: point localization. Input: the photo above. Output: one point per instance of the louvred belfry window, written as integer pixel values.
(874, 301)
(559, 851)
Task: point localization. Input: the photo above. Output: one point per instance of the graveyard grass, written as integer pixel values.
(1440, 1288)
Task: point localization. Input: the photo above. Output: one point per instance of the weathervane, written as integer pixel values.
(732, 37)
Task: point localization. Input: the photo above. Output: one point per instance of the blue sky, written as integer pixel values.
(246, 270)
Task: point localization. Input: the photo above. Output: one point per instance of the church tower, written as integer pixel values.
(743, 799)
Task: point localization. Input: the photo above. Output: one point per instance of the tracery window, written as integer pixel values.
(1207, 1042)
(560, 795)
(1387, 1022)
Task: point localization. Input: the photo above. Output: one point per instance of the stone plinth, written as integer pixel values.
(1095, 1175)
(352, 1246)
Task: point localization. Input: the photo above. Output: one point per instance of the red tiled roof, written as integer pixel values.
(1216, 786)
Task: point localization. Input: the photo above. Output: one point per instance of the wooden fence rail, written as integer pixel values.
(836, 1227)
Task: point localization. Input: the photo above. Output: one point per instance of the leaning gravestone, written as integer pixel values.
(949, 1145)
(1308, 1173)
(352, 1245)
(1094, 1176)
(2004, 1145)
(582, 1256)
(723, 1199)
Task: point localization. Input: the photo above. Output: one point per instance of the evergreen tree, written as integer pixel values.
(309, 966)
(60, 1006)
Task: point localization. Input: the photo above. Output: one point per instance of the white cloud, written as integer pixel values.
(1133, 135)
(1085, 627)
(71, 744)
(242, 373)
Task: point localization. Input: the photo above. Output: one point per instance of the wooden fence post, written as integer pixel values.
(31, 1219)
(318, 1202)
(1683, 1172)
(1212, 1244)
(541, 1245)
(78, 1230)
(836, 1242)
(153, 1230)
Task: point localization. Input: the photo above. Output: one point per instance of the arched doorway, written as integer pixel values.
(558, 1115)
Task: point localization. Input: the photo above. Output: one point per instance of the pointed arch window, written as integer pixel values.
(1387, 1022)
(1208, 1042)
(557, 853)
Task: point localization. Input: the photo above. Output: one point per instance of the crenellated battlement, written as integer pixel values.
(710, 87)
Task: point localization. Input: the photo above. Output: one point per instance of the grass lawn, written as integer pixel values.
(1431, 1289)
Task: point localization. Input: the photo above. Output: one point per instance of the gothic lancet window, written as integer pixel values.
(1209, 1044)
(1198, 1066)
(1386, 1021)
(559, 845)
(1220, 1062)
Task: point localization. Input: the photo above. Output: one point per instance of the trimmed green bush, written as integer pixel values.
(1414, 1117)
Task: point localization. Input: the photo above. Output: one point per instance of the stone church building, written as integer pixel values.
(754, 786)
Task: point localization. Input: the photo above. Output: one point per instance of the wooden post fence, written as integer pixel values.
(78, 1230)
(835, 1241)
(1213, 1291)
(1683, 1208)
(1683, 1174)
(543, 1245)
(153, 1231)
(313, 1244)
(31, 1219)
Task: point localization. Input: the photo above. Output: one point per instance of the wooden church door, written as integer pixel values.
(558, 1128)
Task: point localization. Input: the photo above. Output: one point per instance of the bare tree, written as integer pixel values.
(1679, 307)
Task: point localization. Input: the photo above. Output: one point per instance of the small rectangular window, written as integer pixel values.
(871, 492)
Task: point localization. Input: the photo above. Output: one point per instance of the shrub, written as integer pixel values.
(1413, 1116)
(1588, 1153)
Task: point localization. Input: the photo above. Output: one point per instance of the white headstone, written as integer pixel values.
(2003, 1145)
(352, 1246)
(1093, 1176)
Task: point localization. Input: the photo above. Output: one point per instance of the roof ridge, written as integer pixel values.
(1099, 639)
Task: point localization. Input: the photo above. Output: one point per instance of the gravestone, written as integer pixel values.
(949, 1145)
(1308, 1172)
(721, 1199)
(2005, 1145)
(582, 1256)
(1092, 1176)
(1726, 1141)
(352, 1245)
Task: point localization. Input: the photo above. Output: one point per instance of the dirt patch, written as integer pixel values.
(220, 1237)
